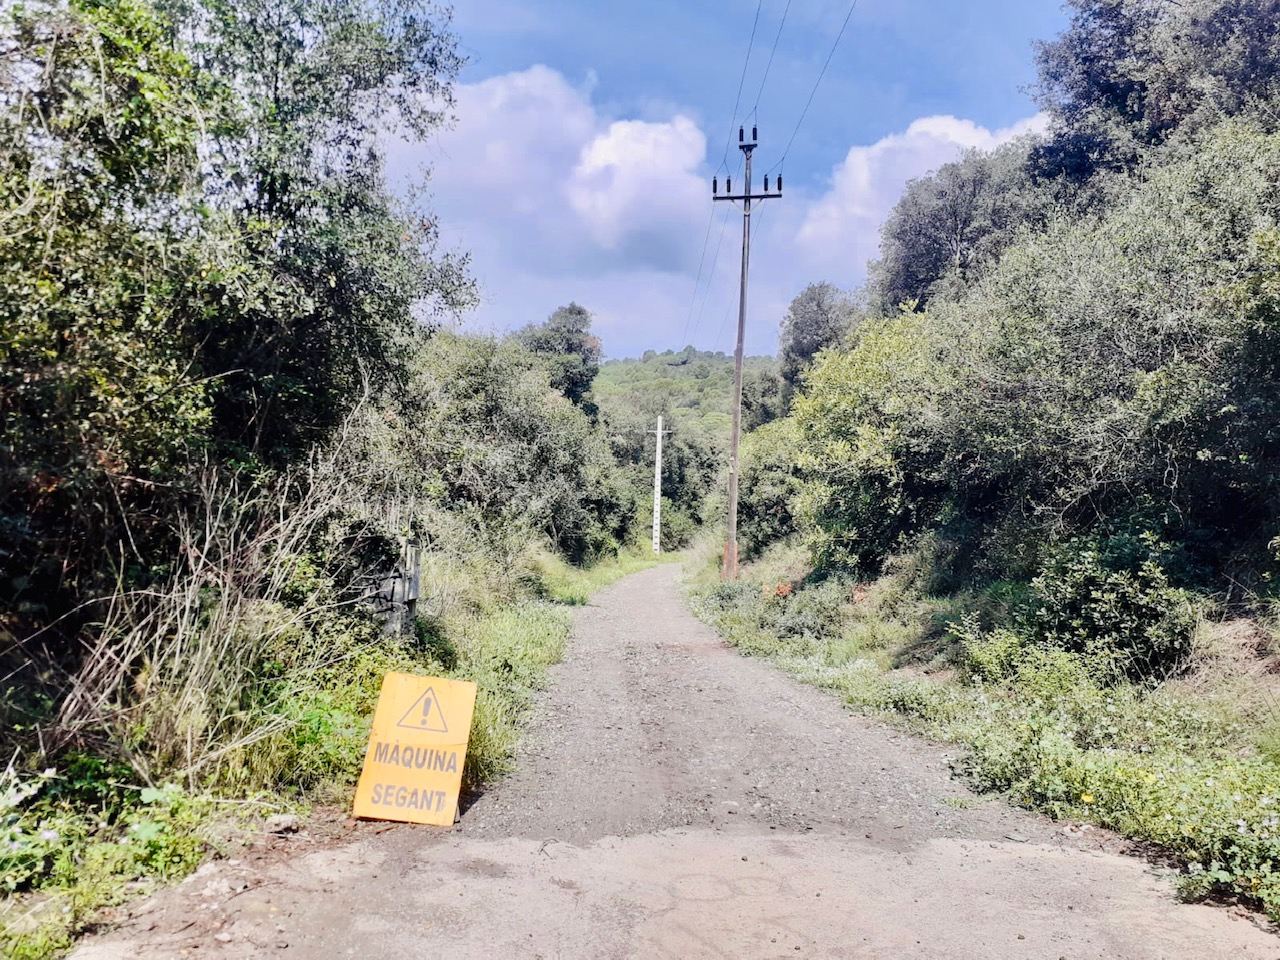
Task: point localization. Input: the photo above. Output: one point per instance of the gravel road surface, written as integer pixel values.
(675, 799)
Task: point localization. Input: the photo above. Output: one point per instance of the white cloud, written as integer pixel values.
(532, 175)
(841, 230)
(557, 201)
(636, 188)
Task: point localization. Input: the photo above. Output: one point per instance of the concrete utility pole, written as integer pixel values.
(731, 548)
(657, 491)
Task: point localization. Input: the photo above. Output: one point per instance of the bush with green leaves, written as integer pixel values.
(88, 854)
(1103, 366)
(870, 443)
(204, 271)
(1127, 619)
(481, 430)
(770, 487)
(815, 612)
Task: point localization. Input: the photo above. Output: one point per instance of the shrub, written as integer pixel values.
(991, 656)
(770, 485)
(1129, 619)
(815, 612)
(678, 526)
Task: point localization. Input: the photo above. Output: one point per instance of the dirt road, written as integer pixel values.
(677, 800)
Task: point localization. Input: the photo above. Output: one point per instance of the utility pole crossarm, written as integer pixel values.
(746, 197)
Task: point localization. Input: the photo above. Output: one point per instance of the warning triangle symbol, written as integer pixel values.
(425, 714)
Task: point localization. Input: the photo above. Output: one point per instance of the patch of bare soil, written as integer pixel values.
(677, 800)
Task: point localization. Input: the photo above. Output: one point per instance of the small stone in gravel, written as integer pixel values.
(223, 937)
(216, 888)
(282, 823)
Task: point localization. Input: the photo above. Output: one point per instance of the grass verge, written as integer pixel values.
(561, 582)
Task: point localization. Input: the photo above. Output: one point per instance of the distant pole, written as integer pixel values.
(657, 490)
(747, 147)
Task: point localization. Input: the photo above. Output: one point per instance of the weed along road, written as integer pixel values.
(675, 799)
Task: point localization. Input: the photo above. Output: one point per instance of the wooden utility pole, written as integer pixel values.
(747, 147)
(657, 491)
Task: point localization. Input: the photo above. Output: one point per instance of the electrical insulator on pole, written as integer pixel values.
(731, 547)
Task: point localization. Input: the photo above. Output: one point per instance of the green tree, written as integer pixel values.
(771, 486)
(99, 255)
(571, 352)
(1126, 75)
(819, 316)
(951, 225)
(485, 433)
(762, 392)
(199, 258)
(1109, 368)
(322, 273)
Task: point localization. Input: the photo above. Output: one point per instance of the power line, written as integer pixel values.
(821, 73)
(769, 63)
(723, 322)
(702, 258)
(746, 62)
(715, 260)
(724, 161)
(729, 309)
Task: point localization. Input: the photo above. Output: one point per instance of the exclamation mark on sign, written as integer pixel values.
(425, 714)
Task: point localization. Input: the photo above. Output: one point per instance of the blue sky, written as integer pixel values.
(586, 135)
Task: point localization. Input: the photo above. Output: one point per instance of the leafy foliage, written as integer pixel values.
(692, 391)
(202, 260)
(97, 157)
(770, 486)
(570, 351)
(1122, 618)
(819, 317)
(949, 227)
(488, 433)
(1128, 75)
(1105, 368)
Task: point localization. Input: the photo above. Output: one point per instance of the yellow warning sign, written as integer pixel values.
(413, 769)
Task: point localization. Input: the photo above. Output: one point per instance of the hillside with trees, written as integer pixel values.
(693, 392)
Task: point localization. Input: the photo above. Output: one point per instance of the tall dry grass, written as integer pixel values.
(173, 675)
